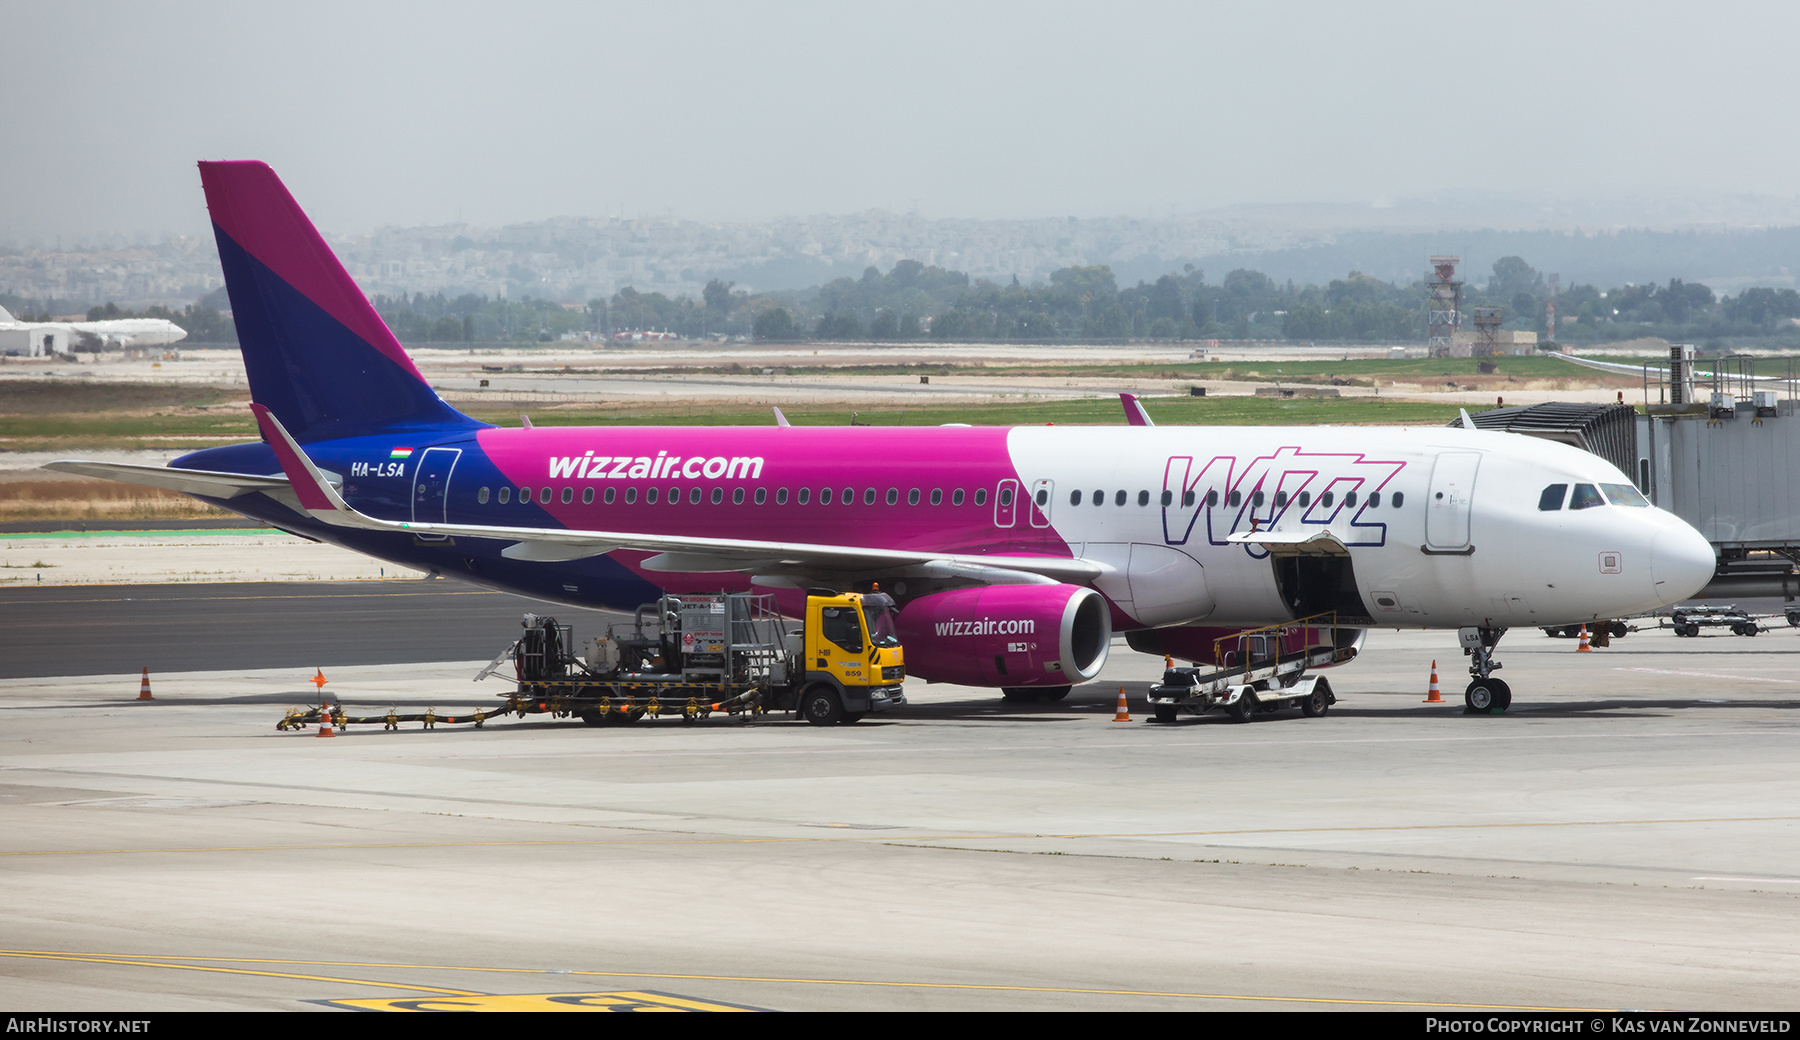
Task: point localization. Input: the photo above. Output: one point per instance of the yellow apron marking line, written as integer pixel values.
(140, 962)
(628, 1000)
(896, 839)
(144, 962)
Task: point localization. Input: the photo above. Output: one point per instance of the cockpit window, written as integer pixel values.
(1552, 498)
(1624, 495)
(1586, 496)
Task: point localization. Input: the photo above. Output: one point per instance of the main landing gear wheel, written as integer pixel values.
(1241, 709)
(1487, 697)
(821, 705)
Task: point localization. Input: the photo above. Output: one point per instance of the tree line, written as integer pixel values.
(916, 302)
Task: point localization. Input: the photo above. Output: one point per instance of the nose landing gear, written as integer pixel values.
(1485, 695)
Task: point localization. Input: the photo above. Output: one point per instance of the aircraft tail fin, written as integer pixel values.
(6, 316)
(316, 352)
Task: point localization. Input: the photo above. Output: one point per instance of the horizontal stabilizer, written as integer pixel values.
(187, 481)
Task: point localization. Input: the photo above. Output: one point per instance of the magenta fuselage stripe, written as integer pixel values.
(774, 458)
(251, 205)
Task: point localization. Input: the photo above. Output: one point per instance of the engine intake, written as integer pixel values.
(1007, 635)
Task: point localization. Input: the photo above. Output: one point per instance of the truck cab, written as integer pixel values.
(853, 661)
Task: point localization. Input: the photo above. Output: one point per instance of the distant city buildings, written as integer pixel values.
(583, 258)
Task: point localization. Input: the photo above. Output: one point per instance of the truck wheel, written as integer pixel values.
(1164, 712)
(593, 717)
(821, 705)
(1316, 705)
(1241, 709)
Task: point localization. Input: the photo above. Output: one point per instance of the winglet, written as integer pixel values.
(780, 420)
(1134, 411)
(1467, 423)
(316, 494)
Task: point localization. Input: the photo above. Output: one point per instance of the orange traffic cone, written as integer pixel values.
(1123, 714)
(144, 687)
(1584, 648)
(325, 729)
(1434, 697)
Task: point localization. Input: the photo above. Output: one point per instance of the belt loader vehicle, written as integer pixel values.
(1260, 670)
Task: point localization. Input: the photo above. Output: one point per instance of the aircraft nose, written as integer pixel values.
(1681, 562)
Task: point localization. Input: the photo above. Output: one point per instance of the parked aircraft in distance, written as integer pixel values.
(51, 337)
(1015, 553)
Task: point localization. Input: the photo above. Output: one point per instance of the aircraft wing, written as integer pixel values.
(320, 500)
(186, 481)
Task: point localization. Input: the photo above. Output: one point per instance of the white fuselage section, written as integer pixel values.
(1442, 526)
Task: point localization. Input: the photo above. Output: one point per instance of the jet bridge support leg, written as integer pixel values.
(1485, 695)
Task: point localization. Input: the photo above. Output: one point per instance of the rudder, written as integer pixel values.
(316, 352)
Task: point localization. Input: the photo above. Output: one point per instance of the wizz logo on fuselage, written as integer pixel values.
(1207, 490)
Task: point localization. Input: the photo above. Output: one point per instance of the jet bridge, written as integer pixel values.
(1715, 442)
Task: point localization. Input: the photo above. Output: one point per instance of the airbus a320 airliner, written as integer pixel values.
(1014, 553)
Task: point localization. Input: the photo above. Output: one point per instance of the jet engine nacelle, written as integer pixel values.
(1201, 644)
(1007, 635)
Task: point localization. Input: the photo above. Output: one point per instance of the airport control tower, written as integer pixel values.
(1443, 306)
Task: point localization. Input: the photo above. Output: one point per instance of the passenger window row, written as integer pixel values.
(802, 496)
(1620, 494)
(1233, 500)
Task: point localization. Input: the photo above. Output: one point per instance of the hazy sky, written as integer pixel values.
(403, 113)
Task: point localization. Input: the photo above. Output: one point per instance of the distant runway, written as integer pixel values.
(102, 629)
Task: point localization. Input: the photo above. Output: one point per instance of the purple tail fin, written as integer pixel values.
(316, 352)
